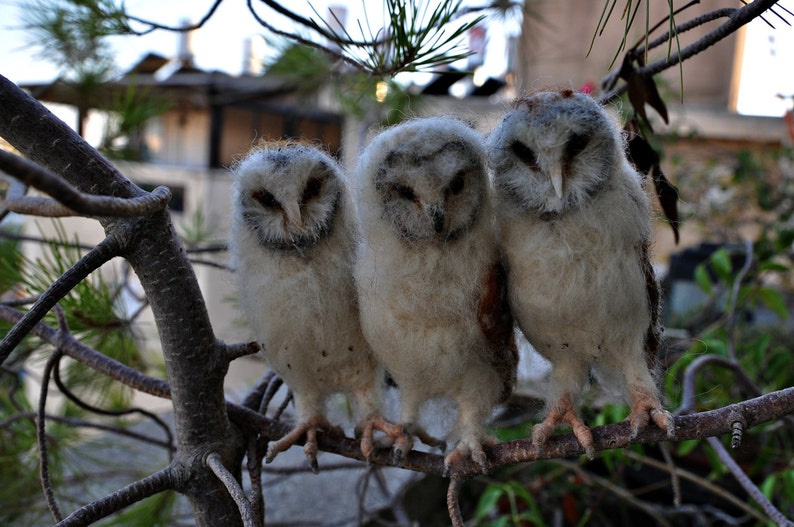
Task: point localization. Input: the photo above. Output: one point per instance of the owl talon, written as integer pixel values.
(563, 412)
(365, 431)
(646, 408)
(475, 451)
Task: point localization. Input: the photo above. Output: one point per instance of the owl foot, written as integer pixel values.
(310, 448)
(464, 449)
(563, 412)
(645, 407)
(366, 432)
(405, 441)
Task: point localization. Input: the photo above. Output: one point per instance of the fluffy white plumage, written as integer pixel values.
(574, 225)
(433, 300)
(292, 241)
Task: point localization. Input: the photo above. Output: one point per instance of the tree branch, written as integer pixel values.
(738, 18)
(215, 463)
(748, 485)
(41, 439)
(149, 486)
(107, 249)
(74, 201)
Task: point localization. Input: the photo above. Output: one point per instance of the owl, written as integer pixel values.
(574, 226)
(292, 242)
(431, 287)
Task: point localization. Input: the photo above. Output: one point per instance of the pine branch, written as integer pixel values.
(215, 463)
(106, 250)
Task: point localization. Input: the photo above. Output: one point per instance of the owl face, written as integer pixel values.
(288, 196)
(429, 176)
(553, 152)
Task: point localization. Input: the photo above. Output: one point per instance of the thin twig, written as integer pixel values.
(215, 463)
(107, 249)
(86, 204)
(41, 439)
(133, 493)
(169, 443)
(698, 480)
(675, 481)
(254, 456)
(774, 514)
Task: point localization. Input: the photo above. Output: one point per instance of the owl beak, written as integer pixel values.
(436, 212)
(556, 181)
(292, 211)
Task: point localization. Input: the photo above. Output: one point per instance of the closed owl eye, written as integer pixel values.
(576, 143)
(312, 190)
(457, 184)
(525, 154)
(404, 192)
(265, 198)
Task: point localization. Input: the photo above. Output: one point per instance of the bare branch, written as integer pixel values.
(748, 485)
(107, 249)
(453, 505)
(92, 358)
(215, 463)
(41, 439)
(235, 351)
(80, 203)
(149, 486)
(738, 18)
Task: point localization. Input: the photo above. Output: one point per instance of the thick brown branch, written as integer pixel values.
(156, 483)
(763, 409)
(74, 201)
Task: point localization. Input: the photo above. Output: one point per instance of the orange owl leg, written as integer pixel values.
(563, 412)
(645, 407)
(405, 441)
(463, 450)
(366, 431)
(310, 449)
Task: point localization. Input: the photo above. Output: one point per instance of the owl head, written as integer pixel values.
(287, 195)
(427, 178)
(554, 151)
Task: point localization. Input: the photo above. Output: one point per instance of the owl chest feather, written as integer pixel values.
(303, 311)
(420, 306)
(573, 277)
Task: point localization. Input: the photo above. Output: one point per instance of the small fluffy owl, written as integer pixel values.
(574, 225)
(430, 283)
(293, 241)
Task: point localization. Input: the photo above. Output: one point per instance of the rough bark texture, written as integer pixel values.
(196, 365)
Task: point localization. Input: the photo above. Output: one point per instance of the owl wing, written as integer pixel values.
(496, 323)
(653, 335)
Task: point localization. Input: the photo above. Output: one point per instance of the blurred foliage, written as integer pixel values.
(124, 132)
(359, 94)
(97, 316)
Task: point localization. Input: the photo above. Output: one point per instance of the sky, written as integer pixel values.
(219, 45)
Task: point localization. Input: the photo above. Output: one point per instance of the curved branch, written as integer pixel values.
(752, 490)
(107, 249)
(154, 25)
(149, 486)
(41, 439)
(453, 504)
(78, 351)
(215, 464)
(740, 17)
(76, 202)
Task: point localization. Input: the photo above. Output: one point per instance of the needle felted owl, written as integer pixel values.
(293, 242)
(574, 226)
(431, 287)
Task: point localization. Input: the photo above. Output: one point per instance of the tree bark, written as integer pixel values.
(196, 364)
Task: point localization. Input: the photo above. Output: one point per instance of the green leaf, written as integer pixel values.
(721, 263)
(774, 301)
(702, 279)
(686, 447)
(488, 501)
